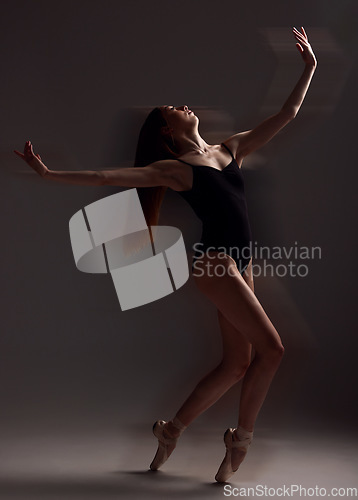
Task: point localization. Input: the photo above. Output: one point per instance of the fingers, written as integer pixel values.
(302, 35)
(301, 38)
(298, 34)
(302, 29)
(19, 154)
(28, 153)
(28, 148)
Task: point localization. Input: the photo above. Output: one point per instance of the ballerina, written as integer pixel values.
(172, 154)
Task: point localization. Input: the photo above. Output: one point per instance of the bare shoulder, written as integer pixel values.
(233, 143)
(248, 141)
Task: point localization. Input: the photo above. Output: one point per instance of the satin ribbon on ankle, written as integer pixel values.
(179, 425)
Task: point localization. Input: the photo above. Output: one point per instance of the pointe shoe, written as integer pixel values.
(245, 437)
(164, 443)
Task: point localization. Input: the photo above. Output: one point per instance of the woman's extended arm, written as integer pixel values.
(246, 142)
(295, 99)
(155, 174)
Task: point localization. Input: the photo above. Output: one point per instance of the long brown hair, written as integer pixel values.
(152, 146)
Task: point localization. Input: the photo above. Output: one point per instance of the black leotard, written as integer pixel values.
(218, 199)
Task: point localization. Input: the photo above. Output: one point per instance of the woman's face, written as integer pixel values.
(179, 119)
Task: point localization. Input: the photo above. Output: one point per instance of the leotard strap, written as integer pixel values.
(232, 156)
(184, 162)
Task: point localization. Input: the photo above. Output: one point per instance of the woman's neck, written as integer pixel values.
(191, 144)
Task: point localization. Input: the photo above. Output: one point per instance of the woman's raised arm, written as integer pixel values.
(155, 174)
(248, 141)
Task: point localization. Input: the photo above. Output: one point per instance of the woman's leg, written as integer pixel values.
(243, 324)
(231, 290)
(240, 307)
(240, 310)
(234, 363)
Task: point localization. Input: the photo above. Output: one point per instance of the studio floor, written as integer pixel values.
(105, 463)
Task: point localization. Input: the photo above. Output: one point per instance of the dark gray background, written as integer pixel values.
(77, 80)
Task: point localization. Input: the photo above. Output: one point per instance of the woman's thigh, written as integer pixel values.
(218, 278)
(236, 348)
(248, 275)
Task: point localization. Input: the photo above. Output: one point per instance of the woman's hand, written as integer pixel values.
(304, 47)
(33, 160)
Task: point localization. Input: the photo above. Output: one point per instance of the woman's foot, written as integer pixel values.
(167, 434)
(237, 442)
(239, 453)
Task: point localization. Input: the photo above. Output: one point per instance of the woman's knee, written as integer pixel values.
(272, 354)
(235, 370)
